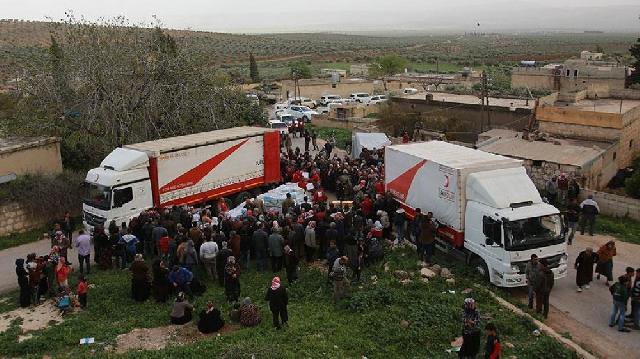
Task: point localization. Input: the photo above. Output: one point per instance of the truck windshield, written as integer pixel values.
(98, 196)
(533, 232)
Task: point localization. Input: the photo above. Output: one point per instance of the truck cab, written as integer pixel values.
(506, 222)
(117, 190)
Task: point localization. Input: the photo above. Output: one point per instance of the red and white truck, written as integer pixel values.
(490, 213)
(179, 171)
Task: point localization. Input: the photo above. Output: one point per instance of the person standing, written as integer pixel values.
(635, 301)
(543, 288)
(23, 283)
(470, 330)
(310, 244)
(399, 221)
(605, 261)
(278, 300)
(428, 239)
(563, 189)
(574, 189)
(140, 279)
(339, 277)
(208, 253)
(552, 190)
(160, 281)
(287, 204)
(68, 225)
(493, 348)
(314, 140)
(276, 243)
(83, 245)
(590, 210)
(221, 262)
(307, 140)
(82, 290)
(291, 264)
(260, 246)
(584, 268)
(572, 216)
(532, 272)
(232, 280)
(620, 294)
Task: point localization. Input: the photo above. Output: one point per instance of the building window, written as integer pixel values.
(631, 143)
(536, 163)
(614, 156)
(575, 73)
(568, 72)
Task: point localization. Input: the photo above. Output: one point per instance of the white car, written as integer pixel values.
(361, 97)
(410, 91)
(324, 100)
(282, 127)
(253, 98)
(299, 112)
(303, 101)
(376, 99)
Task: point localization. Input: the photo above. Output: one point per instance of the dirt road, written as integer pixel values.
(585, 315)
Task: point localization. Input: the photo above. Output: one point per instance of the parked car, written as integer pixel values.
(282, 127)
(361, 97)
(253, 98)
(299, 112)
(286, 118)
(410, 91)
(376, 99)
(303, 101)
(324, 100)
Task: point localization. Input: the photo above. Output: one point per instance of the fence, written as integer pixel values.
(613, 205)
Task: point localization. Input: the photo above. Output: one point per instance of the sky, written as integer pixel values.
(256, 16)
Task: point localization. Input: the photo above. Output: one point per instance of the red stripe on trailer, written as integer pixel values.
(272, 157)
(216, 193)
(399, 186)
(153, 177)
(197, 173)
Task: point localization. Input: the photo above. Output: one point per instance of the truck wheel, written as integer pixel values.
(480, 267)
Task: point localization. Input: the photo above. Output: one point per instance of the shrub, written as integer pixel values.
(632, 185)
(46, 195)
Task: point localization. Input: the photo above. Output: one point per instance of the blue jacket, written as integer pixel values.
(182, 276)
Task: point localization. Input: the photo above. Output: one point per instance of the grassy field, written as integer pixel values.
(343, 136)
(624, 229)
(17, 239)
(368, 323)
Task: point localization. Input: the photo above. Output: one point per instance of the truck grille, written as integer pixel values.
(93, 220)
(554, 262)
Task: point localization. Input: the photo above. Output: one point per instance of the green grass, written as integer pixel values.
(17, 239)
(624, 229)
(343, 136)
(366, 324)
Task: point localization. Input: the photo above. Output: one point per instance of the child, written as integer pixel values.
(82, 290)
(492, 350)
(63, 301)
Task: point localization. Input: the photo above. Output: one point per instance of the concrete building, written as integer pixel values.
(613, 120)
(20, 156)
(314, 88)
(587, 73)
(545, 157)
(502, 112)
(330, 72)
(361, 70)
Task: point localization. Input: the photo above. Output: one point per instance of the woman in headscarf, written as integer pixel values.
(160, 281)
(62, 272)
(182, 310)
(189, 256)
(278, 301)
(23, 282)
(232, 279)
(210, 319)
(62, 242)
(470, 330)
(249, 315)
(140, 280)
(605, 261)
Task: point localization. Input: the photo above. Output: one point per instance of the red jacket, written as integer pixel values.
(163, 245)
(319, 196)
(367, 206)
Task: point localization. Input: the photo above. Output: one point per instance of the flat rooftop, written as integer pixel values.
(12, 144)
(474, 100)
(555, 150)
(606, 105)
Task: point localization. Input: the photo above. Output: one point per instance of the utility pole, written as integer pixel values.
(484, 99)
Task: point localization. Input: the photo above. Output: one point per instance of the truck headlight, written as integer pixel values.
(515, 268)
(564, 259)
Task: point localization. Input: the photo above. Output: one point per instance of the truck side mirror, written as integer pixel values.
(492, 230)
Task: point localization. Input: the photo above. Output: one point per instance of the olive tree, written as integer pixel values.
(108, 83)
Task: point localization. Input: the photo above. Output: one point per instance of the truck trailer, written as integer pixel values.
(180, 170)
(489, 212)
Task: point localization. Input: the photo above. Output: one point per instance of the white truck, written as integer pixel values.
(179, 171)
(489, 212)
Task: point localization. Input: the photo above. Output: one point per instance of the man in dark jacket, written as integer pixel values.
(543, 288)
(221, 261)
(278, 301)
(260, 246)
(572, 215)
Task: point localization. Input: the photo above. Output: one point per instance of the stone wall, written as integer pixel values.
(14, 219)
(614, 205)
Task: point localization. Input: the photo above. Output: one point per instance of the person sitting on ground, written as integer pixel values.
(210, 319)
(249, 315)
(182, 310)
(63, 301)
(181, 279)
